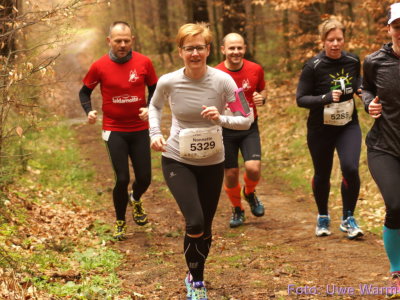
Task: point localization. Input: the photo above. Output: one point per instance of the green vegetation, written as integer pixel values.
(56, 159)
(61, 249)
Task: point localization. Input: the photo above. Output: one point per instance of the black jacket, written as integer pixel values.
(382, 79)
(317, 80)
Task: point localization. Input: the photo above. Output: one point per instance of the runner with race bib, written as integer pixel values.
(326, 87)
(193, 155)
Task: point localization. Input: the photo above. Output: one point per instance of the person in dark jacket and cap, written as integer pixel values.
(381, 96)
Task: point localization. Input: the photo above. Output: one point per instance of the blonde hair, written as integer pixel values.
(329, 25)
(190, 30)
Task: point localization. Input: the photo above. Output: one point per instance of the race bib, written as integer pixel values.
(198, 143)
(105, 134)
(338, 114)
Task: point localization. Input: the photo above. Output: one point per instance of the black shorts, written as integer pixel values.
(248, 141)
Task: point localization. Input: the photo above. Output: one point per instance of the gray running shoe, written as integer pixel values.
(323, 223)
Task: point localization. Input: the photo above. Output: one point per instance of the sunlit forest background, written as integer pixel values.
(47, 46)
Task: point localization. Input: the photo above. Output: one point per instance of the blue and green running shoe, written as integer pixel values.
(350, 226)
(199, 291)
(188, 284)
(323, 223)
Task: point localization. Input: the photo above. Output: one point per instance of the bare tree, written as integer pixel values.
(234, 20)
(286, 39)
(22, 74)
(165, 45)
(7, 14)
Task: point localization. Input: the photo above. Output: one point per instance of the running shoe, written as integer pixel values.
(350, 226)
(237, 217)
(138, 213)
(323, 222)
(394, 290)
(120, 230)
(257, 208)
(188, 284)
(199, 291)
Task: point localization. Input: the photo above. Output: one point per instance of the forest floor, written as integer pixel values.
(276, 256)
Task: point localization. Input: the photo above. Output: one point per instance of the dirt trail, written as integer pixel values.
(259, 260)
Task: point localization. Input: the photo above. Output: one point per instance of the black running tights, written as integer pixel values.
(196, 189)
(347, 142)
(385, 170)
(122, 146)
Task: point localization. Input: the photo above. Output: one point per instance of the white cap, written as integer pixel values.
(394, 13)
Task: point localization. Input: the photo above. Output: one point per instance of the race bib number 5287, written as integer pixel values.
(338, 114)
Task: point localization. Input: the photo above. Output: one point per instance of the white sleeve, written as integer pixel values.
(156, 107)
(236, 122)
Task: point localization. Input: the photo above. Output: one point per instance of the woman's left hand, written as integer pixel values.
(210, 113)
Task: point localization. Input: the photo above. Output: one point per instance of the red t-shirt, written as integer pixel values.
(250, 77)
(123, 89)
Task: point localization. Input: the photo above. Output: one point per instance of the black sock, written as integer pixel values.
(207, 245)
(194, 250)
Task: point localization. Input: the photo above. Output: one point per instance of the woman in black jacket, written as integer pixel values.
(381, 96)
(326, 87)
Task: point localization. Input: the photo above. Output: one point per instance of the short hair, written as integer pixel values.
(190, 30)
(230, 34)
(329, 25)
(116, 23)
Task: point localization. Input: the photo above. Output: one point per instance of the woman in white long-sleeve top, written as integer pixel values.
(193, 155)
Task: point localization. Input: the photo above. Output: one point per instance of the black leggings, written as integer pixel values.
(136, 146)
(322, 144)
(196, 189)
(385, 170)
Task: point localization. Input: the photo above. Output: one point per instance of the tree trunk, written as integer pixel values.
(349, 32)
(286, 39)
(165, 40)
(234, 20)
(132, 18)
(200, 15)
(252, 49)
(330, 7)
(234, 17)
(189, 10)
(7, 16)
(309, 19)
(200, 11)
(217, 35)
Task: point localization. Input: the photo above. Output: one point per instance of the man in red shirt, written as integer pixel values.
(123, 75)
(250, 77)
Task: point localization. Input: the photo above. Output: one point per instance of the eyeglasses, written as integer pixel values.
(199, 48)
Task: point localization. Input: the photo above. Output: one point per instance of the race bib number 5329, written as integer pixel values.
(198, 143)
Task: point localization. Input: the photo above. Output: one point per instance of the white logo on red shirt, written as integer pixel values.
(246, 84)
(133, 76)
(125, 99)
